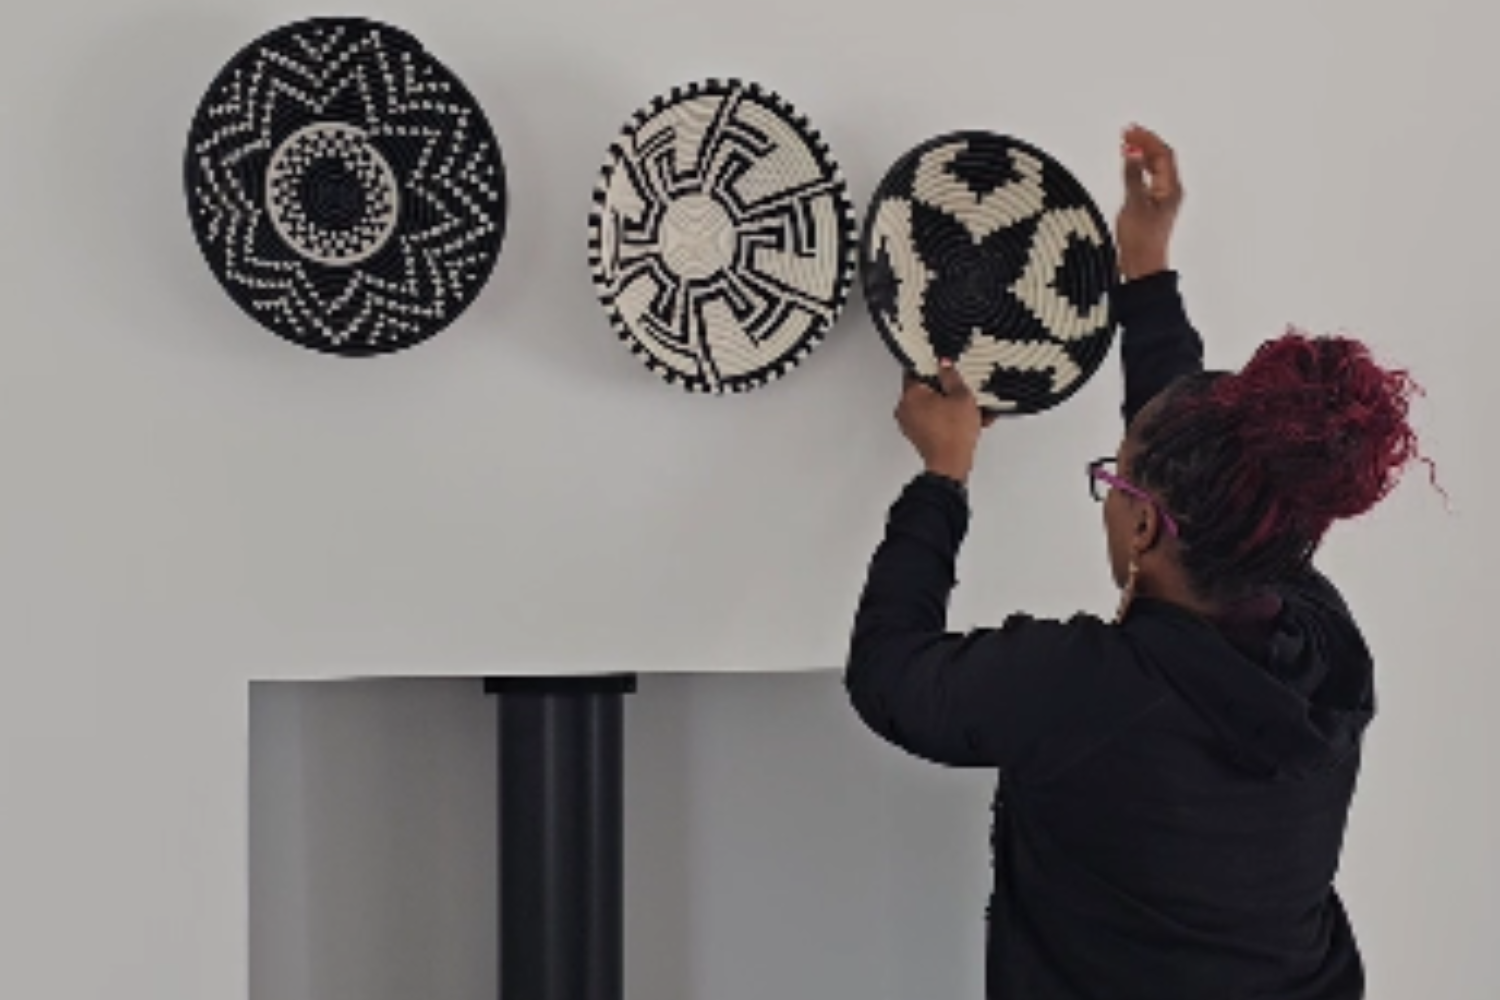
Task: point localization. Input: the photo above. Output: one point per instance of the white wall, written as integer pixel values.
(519, 495)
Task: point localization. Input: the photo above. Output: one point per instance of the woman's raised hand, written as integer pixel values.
(1153, 194)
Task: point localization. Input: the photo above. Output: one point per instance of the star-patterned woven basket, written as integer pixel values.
(345, 188)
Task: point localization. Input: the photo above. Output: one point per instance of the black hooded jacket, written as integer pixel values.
(1173, 790)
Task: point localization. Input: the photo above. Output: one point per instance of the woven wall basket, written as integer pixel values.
(345, 188)
(983, 250)
(722, 240)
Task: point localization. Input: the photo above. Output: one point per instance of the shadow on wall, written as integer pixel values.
(773, 849)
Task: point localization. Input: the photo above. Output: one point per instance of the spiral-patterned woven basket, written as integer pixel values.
(722, 241)
(984, 250)
(345, 188)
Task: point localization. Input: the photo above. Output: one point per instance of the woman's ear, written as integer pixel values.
(1146, 529)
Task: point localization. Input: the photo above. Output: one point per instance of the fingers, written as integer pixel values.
(1150, 145)
(912, 386)
(952, 383)
(1165, 184)
(1146, 150)
(1135, 175)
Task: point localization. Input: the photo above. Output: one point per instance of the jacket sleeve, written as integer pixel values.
(1158, 343)
(995, 697)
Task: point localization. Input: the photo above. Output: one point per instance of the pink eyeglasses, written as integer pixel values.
(1102, 480)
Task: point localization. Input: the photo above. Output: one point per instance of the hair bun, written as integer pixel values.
(1324, 422)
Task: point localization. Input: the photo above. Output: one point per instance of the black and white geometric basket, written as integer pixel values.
(345, 188)
(984, 250)
(722, 241)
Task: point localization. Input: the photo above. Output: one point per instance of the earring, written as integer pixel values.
(1127, 594)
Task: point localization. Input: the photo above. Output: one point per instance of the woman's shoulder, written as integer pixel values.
(1081, 642)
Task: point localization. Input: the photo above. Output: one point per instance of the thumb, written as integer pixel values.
(1136, 188)
(952, 383)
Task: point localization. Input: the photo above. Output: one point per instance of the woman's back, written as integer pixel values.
(1192, 855)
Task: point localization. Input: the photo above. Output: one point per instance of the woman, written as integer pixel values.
(1174, 785)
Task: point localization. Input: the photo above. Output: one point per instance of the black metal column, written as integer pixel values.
(561, 837)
